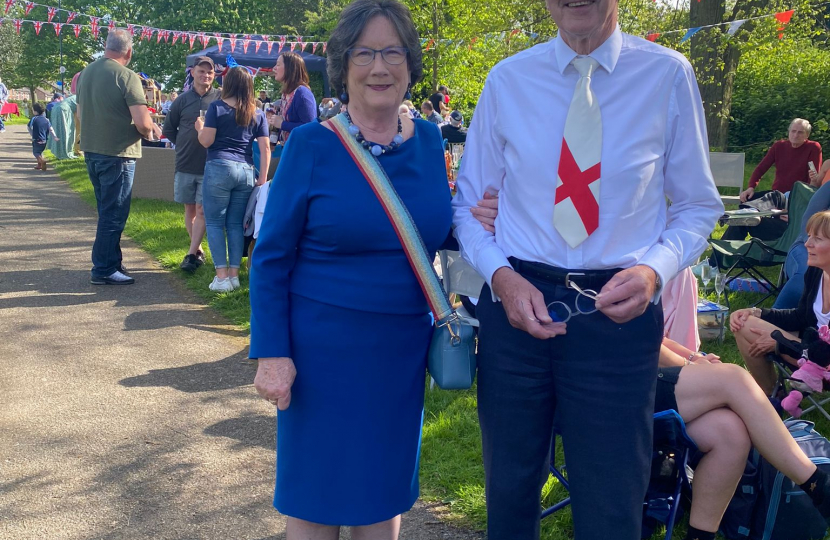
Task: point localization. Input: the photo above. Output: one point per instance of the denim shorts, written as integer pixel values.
(38, 148)
(187, 188)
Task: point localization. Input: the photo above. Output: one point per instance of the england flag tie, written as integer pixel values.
(576, 206)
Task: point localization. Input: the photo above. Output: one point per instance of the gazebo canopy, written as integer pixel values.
(261, 58)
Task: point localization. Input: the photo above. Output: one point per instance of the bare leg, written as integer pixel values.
(298, 529)
(704, 388)
(197, 229)
(189, 214)
(720, 434)
(762, 370)
(221, 272)
(385, 530)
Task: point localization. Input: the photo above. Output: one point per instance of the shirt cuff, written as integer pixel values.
(488, 261)
(664, 263)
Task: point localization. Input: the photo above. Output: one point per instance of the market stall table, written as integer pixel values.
(9, 109)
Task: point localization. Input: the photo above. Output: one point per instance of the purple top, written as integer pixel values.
(303, 109)
(233, 142)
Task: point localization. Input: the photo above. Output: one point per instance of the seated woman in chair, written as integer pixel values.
(726, 414)
(752, 326)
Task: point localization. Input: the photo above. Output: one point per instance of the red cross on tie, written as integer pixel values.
(576, 186)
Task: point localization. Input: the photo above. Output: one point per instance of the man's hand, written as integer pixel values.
(198, 124)
(487, 211)
(273, 381)
(747, 194)
(524, 304)
(627, 294)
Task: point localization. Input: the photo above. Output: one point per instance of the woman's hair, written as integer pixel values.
(350, 26)
(38, 107)
(294, 72)
(239, 84)
(819, 223)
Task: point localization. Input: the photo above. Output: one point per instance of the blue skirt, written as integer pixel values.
(349, 444)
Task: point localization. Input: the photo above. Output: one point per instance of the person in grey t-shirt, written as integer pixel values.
(190, 155)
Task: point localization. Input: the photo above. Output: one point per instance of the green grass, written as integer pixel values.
(451, 464)
(21, 120)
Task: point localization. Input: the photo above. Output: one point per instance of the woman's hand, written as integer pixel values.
(487, 211)
(261, 180)
(276, 121)
(739, 318)
(199, 124)
(763, 344)
(273, 381)
(701, 358)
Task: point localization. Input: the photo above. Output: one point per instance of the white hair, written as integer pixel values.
(808, 127)
(119, 41)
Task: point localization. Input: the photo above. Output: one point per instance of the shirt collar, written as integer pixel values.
(606, 54)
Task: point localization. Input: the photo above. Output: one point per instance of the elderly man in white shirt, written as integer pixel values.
(583, 192)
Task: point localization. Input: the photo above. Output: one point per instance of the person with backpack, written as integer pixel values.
(726, 414)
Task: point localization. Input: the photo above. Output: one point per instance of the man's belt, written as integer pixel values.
(585, 279)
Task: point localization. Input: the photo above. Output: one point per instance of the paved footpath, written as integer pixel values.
(125, 412)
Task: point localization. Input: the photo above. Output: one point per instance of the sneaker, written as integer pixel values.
(190, 263)
(116, 278)
(221, 285)
(2, 130)
(235, 282)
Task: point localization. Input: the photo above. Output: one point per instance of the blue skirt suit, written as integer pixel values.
(332, 289)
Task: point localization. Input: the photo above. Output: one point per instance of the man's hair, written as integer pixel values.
(119, 41)
(808, 127)
(427, 105)
(38, 108)
(443, 89)
(819, 223)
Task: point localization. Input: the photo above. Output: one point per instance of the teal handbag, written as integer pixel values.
(452, 351)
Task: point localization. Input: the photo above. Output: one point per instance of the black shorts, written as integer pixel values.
(37, 149)
(664, 398)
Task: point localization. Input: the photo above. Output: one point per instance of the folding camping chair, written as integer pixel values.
(670, 472)
(746, 257)
(784, 370)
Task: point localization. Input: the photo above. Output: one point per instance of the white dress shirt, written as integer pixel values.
(654, 148)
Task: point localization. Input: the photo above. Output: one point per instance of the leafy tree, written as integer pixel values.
(10, 48)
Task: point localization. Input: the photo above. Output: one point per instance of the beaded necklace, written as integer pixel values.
(375, 148)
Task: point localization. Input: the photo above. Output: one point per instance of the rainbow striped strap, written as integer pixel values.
(398, 214)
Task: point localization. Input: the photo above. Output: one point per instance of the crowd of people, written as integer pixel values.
(571, 211)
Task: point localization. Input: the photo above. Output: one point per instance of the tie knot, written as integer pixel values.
(585, 65)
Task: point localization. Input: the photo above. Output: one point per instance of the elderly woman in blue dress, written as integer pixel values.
(338, 321)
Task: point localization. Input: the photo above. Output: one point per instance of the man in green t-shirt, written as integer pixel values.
(114, 118)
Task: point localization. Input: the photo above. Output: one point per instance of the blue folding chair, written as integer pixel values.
(670, 471)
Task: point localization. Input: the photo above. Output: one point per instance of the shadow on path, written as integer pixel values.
(231, 372)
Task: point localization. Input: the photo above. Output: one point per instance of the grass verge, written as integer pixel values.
(451, 464)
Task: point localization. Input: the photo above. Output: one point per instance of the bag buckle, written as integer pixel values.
(455, 335)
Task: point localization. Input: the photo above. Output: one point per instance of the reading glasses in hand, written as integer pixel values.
(393, 56)
(584, 304)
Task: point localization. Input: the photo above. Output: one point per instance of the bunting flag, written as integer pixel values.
(783, 18)
(270, 46)
(17, 24)
(472, 42)
(204, 39)
(257, 44)
(734, 26)
(71, 17)
(430, 43)
(38, 25)
(282, 42)
(76, 28)
(93, 26)
(130, 29)
(51, 13)
(689, 33)
(29, 7)
(9, 4)
(58, 27)
(293, 44)
(175, 37)
(653, 37)
(219, 40)
(300, 43)
(232, 40)
(159, 35)
(245, 43)
(192, 39)
(111, 25)
(325, 46)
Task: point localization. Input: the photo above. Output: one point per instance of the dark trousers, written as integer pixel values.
(112, 180)
(597, 384)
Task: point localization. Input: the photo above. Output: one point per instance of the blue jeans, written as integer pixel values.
(112, 179)
(2, 124)
(225, 191)
(795, 266)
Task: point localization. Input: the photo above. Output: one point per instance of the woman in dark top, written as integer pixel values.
(726, 414)
(334, 300)
(752, 326)
(298, 104)
(232, 125)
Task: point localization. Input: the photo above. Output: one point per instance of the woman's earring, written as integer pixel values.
(408, 94)
(344, 96)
